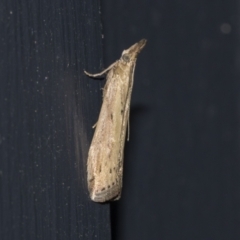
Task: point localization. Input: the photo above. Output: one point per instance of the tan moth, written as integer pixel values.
(105, 156)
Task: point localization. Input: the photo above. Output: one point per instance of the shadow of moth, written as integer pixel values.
(105, 156)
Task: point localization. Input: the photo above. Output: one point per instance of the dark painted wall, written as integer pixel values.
(182, 169)
(47, 109)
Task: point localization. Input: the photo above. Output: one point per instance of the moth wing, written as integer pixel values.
(106, 152)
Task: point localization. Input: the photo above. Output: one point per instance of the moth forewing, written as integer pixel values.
(105, 156)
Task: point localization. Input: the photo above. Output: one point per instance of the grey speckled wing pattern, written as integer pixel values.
(105, 156)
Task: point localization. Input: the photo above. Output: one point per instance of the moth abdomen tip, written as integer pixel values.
(105, 194)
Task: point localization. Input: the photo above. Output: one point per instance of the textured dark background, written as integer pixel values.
(47, 109)
(182, 168)
(181, 172)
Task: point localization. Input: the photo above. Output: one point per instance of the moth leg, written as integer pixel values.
(128, 136)
(104, 90)
(94, 125)
(101, 73)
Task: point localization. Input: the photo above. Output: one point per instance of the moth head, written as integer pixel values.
(131, 53)
(125, 57)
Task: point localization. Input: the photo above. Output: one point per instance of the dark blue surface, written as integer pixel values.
(181, 170)
(47, 109)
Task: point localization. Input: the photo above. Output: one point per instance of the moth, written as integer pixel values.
(105, 156)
